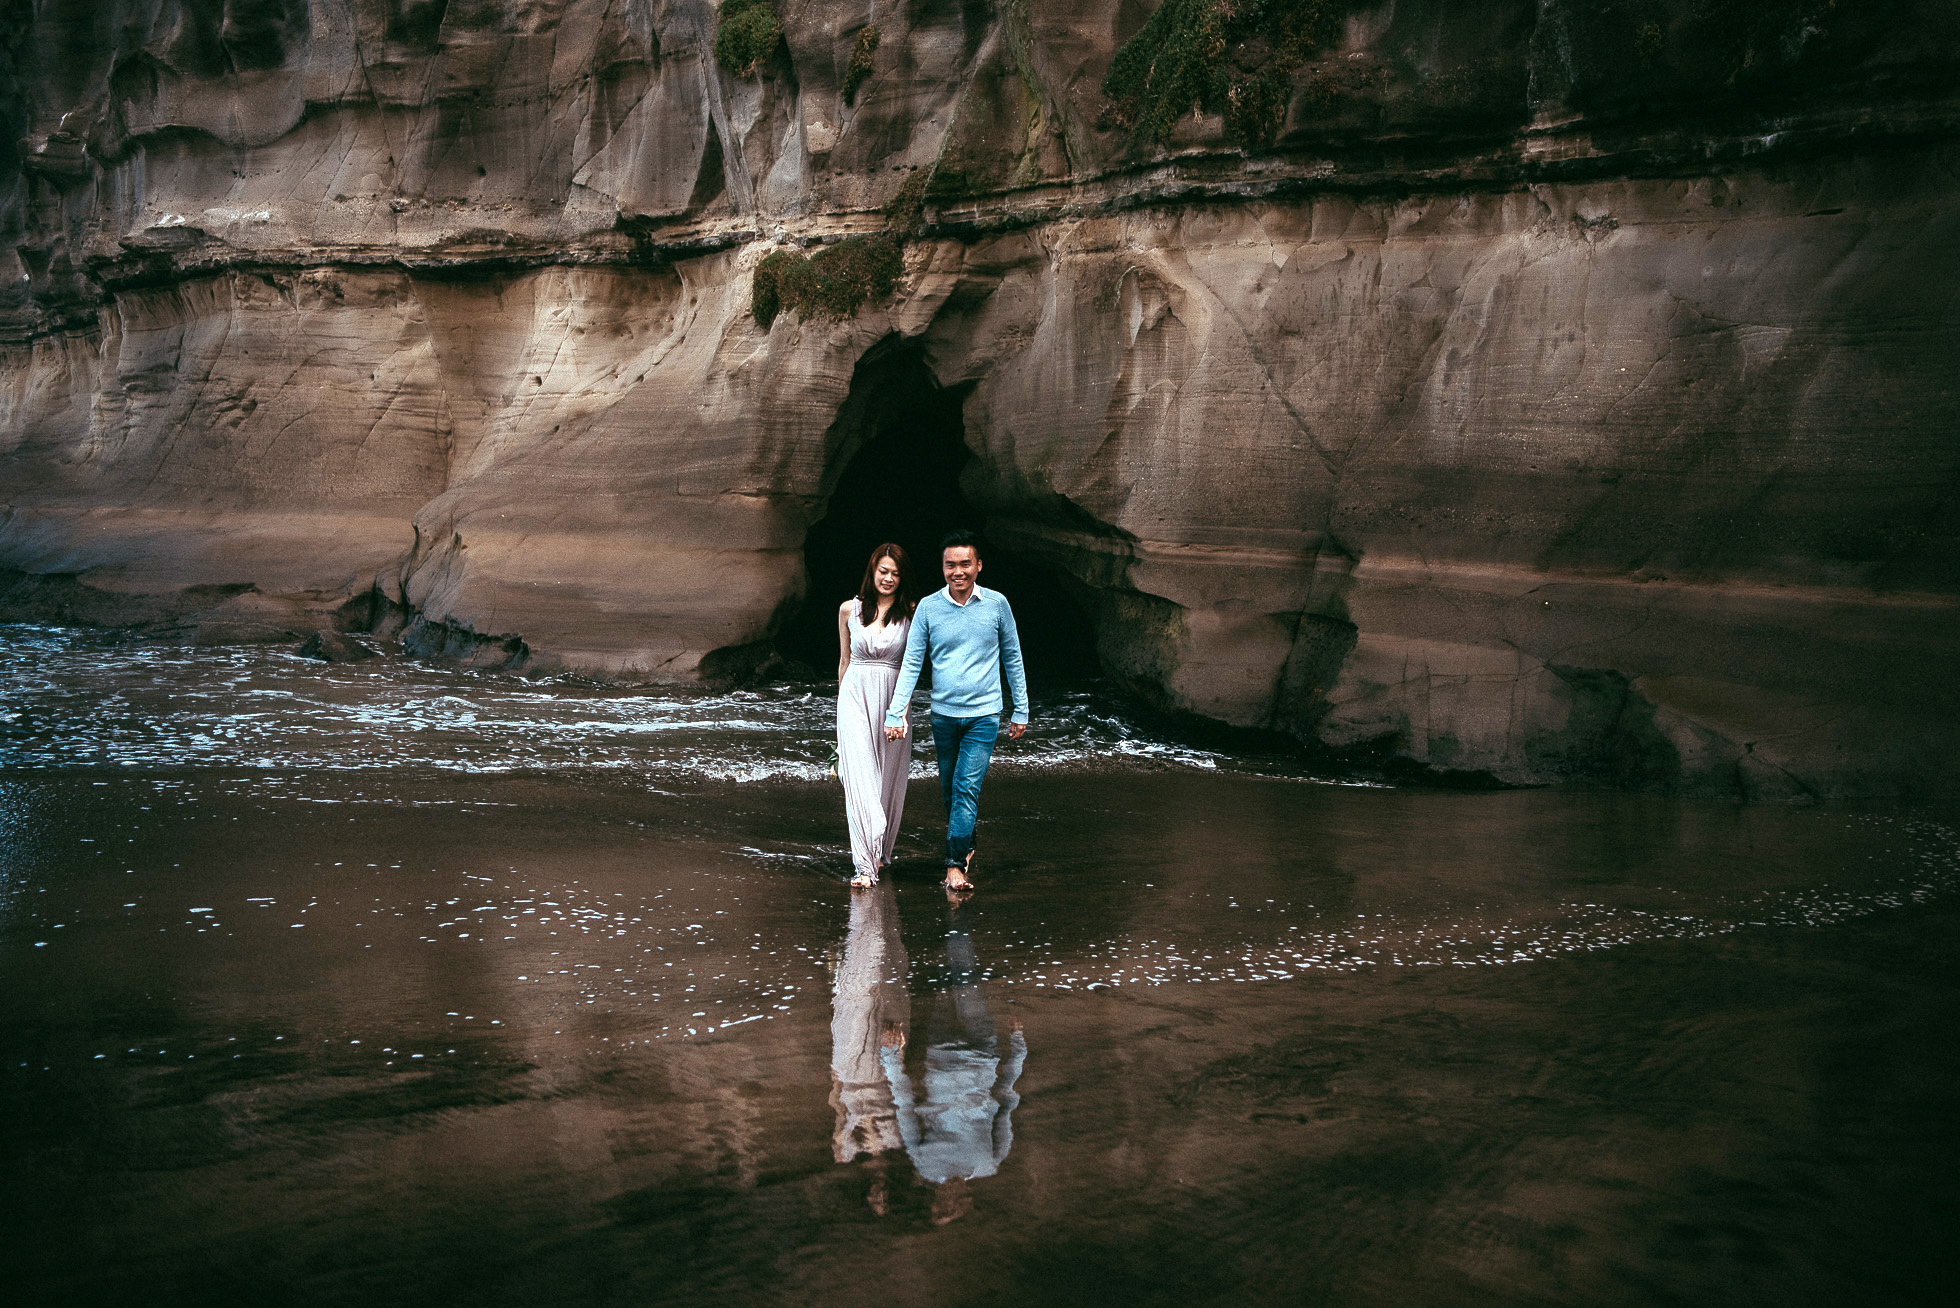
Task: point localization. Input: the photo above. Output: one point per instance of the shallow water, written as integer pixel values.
(378, 983)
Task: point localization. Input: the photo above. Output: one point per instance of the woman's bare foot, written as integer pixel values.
(864, 881)
(878, 1194)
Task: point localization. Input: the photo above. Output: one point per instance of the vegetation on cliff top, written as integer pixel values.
(747, 32)
(1231, 56)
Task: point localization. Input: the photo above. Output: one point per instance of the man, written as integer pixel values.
(968, 632)
(963, 1127)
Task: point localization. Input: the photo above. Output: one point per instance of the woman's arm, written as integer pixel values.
(843, 639)
(916, 642)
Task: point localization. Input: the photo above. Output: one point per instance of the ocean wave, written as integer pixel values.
(83, 699)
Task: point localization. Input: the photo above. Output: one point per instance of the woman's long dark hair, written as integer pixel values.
(903, 602)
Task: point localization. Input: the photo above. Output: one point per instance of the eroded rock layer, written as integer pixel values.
(1535, 392)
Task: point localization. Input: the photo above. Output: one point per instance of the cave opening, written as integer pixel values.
(905, 442)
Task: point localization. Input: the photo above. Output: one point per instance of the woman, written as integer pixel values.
(870, 1011)
(871, 631)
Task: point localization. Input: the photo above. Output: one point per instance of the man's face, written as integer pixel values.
(961, 565)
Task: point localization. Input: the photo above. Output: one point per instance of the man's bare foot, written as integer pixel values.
(951, 1201)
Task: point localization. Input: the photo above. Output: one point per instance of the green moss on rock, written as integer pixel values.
(834, 283)
(1173, 66)
(1255, 109)
(747, 32)
(1231, 56)
(903, 210)
(859, 68)
(766, 287)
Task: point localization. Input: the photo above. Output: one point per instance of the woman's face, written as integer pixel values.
(885, 576)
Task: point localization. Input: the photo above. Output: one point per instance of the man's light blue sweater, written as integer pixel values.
(969, 643)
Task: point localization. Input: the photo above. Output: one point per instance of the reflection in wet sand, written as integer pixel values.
(964, 1126)
(869, 1004)
(955, 1123)
(297, 1013)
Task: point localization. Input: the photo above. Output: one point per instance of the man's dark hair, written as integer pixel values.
(969, 539)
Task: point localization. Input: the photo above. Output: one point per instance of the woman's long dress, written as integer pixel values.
(872, 768)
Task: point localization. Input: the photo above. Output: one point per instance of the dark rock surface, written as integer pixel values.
(335, 647)
(1567, 391)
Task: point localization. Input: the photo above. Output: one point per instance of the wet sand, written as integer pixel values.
(294, 1032)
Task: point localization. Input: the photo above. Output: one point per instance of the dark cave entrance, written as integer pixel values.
(903, 485)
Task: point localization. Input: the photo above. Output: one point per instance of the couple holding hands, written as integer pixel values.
(885, 637)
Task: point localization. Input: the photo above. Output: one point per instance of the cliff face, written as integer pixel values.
(1540, 389)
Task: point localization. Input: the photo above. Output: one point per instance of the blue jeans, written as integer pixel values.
(965, 746)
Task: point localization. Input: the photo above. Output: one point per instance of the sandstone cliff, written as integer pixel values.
(1539, 389)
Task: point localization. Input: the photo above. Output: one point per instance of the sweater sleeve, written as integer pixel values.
(893, 1063)
(908, 671)
(1010, 661)
(1010, 1072)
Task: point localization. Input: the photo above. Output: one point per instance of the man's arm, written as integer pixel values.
(1010, 659)
(891, 1057)
(1009, 1073)
(908, 673)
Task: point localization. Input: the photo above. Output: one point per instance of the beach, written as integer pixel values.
(384, 981)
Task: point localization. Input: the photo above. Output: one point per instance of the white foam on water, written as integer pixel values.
(89, 699)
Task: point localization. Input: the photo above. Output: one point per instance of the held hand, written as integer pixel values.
(1015, 730)
(895, 733)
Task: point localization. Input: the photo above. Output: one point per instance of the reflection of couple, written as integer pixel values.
(884, 640)
(962, 1128)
